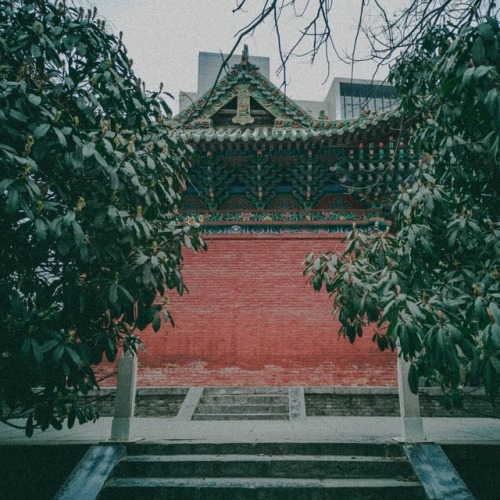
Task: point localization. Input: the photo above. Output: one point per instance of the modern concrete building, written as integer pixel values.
(209, 65)
(349, 98)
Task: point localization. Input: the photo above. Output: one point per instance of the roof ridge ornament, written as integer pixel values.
(244, 56)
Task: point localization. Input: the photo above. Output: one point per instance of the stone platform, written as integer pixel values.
(472, 444)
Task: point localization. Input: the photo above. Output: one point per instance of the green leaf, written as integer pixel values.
(317, 282)
(495, 336)
(485, 336)
(187, 241)
(495, 362)
(113, 293)
(56, 424)
(478, 52)
(413, 378)
(13, 200)
(441, 344)
(35, 99)
(126, 293)
(99, 158)
(60, 137)
(71, 417)
(141, 259)
(481, 72)
(414, 310)
(81, 49)
(84, 253)
(41, 130)
(29, 426)
(479, 306)
(156, 321)
(493, 23)
(36, 51)
(73, 355)
(80, 415)
(88, 149)
(467, 77)
(404, 338)
(382, 342)
(17, 115)
(495, 311)
(78, 232)
(37, 351)
(58, 353)
(5, 183)
(114, 180)
(486, 32)
(48, 345)
(137, 104)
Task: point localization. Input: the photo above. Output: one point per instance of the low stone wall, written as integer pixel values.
(351, 401)
(383, 401)
(149, 402)
(320, 401)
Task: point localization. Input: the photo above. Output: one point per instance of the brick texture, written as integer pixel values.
(251, 319)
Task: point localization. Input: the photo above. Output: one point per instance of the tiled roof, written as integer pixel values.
(291, 122)
(232, 134)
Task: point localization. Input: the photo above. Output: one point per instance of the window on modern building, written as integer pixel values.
(356, 97)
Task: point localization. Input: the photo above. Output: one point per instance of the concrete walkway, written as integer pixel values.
(311, 429)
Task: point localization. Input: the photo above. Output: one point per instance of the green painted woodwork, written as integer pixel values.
(255, 150)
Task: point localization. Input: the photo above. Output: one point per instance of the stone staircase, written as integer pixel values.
(243, 403)
(265, 471)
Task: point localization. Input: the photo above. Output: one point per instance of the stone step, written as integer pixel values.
(240, 416)
(243, 403)
(278, 466)
(244, 390)
(245, 399)
(248, 408)
(260, 488)
(267, 448)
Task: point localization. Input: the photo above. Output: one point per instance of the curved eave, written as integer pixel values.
(255, 134)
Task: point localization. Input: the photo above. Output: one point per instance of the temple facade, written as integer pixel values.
(270, 183)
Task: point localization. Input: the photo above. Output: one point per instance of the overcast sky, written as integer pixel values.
(164, 37)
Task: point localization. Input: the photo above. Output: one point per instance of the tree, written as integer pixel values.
(384, 27)
(431, 283)
(90, 181)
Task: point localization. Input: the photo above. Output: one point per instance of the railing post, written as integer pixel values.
(125, 397)
(411, 423)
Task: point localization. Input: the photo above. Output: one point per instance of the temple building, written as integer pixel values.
(270, 183)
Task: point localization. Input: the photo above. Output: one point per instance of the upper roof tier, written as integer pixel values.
(246, 106)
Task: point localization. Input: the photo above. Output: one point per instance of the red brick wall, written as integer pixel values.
(251, 319)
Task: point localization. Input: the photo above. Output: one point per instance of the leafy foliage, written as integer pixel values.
(431, 282)
(89, 187)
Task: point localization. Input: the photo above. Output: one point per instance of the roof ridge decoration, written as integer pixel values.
(243, 81)
(244, 55)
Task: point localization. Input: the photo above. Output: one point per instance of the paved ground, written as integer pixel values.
(311, 429)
